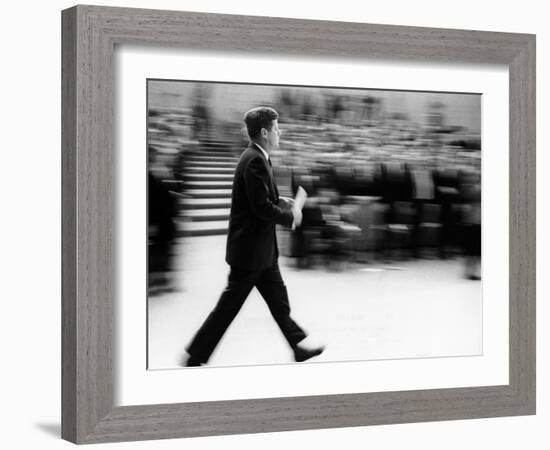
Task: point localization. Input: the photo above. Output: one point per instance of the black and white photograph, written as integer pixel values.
(307, 224)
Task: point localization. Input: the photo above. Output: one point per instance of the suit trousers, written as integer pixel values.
(240, 282)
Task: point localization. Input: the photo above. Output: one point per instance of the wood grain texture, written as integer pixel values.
(523, 223)
(89, 36)
(68, 226)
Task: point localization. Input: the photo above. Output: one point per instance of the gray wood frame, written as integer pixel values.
(89, 36)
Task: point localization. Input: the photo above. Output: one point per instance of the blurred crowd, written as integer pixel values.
(380, 185)
(386, 190)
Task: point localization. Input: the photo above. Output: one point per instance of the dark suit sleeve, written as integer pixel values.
(257, 180)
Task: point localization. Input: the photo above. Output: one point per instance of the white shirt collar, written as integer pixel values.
(263, 151)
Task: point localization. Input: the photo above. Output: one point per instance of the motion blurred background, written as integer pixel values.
(393, 183)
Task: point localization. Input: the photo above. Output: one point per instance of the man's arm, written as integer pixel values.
(256, 180)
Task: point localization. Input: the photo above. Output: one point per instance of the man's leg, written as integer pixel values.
(239, 285)
(273, 290)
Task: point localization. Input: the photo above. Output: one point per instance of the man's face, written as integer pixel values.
(272, 137)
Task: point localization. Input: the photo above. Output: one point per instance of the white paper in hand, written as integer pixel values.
(301, 197)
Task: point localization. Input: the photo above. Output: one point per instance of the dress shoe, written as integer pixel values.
(192, 363)
(303, 353)
(189, 361)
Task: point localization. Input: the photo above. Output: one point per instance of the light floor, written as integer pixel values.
(411, 309)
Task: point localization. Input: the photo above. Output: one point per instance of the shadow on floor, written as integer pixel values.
(53, 429)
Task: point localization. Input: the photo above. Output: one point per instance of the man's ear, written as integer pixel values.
(264, 132)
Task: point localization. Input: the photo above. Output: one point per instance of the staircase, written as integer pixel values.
(208, 178)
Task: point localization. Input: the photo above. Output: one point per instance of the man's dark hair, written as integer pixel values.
(258, 118)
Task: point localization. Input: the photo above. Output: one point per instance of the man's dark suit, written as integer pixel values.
(252, 254)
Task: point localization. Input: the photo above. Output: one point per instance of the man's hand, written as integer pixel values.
(286, 202)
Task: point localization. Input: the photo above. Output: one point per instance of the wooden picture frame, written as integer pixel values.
(90, 34)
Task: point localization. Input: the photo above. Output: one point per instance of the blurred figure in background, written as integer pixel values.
(471, 236)
(447, 194)
(201, 114)
(161, 236)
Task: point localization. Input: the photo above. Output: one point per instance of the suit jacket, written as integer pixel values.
(251, 240)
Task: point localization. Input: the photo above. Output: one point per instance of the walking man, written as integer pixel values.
(251, 251)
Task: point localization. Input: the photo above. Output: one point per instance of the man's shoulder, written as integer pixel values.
(251, 150)
(249, 154)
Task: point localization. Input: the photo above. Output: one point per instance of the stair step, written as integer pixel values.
(209, 158)
(212, 154)
(213, 163)
(213, 143)
(205, 203)
(164, 143)
(206, 169)
(226, 184)
(208, 193)
(186, 228)
(208, 177)
(207, 215)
